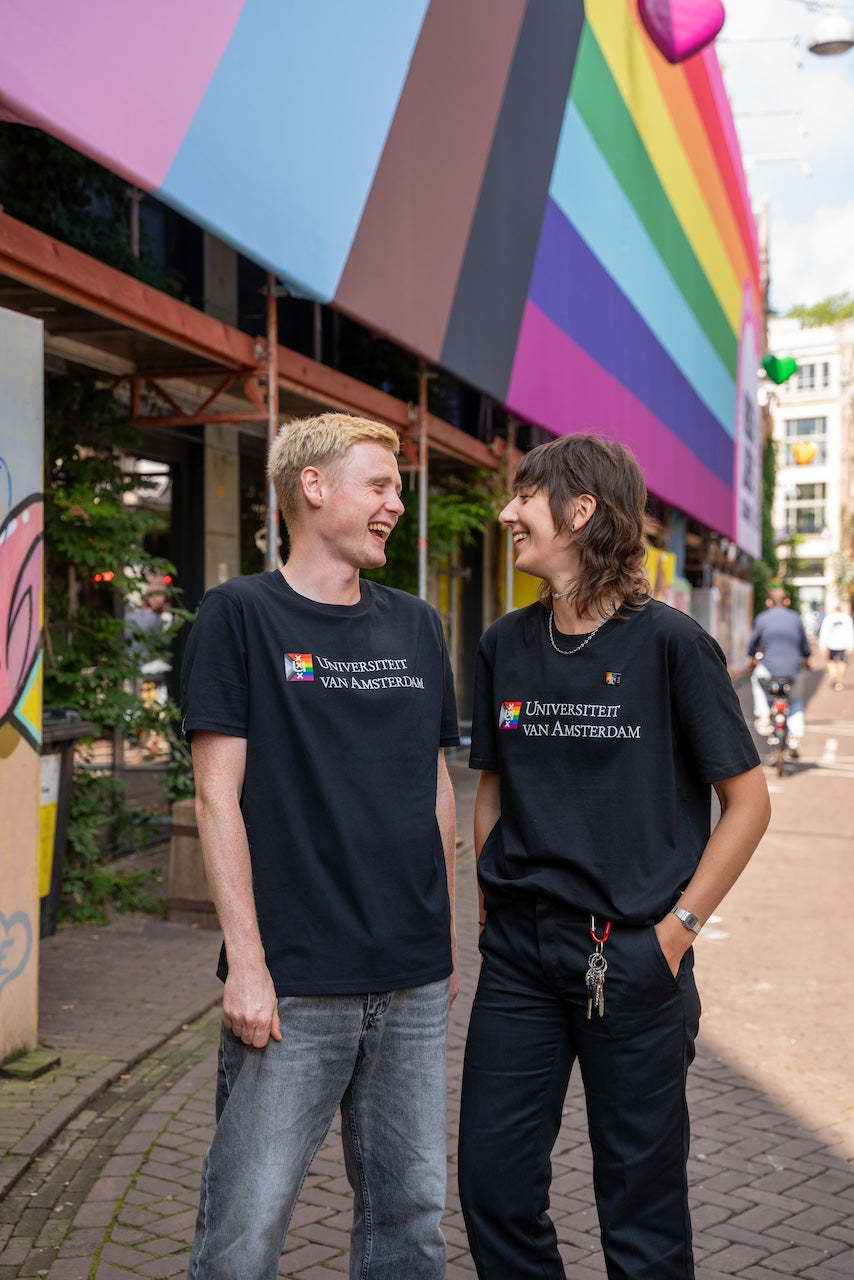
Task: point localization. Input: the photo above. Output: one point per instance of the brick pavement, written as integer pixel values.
(102, 1176)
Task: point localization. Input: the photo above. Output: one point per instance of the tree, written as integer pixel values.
(764, 570)
(839, 306)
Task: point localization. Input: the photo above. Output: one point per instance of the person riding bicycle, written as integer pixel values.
(778, 649)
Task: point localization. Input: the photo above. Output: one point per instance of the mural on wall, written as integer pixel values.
(21, 535)
(16, 945)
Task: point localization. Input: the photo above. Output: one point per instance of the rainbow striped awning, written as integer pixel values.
(523, 191)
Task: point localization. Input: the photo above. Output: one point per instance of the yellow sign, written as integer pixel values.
(47, 818)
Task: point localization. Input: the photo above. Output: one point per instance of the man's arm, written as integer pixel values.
(249, 1004)
(753, 645)
(745, 813)
(446, 816)
(487, 811)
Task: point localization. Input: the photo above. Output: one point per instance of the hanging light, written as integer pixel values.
(832, 34)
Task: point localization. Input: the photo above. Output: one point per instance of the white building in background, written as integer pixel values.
(813, 425)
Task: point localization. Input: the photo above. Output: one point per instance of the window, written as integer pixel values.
(806, 507)
(800, 433)
(811, 376)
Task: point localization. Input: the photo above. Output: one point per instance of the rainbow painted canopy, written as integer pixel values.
(526, 193)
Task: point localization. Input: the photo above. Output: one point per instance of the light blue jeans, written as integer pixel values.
(381, 1058)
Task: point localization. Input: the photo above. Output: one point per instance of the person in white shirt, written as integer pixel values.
(836, 638)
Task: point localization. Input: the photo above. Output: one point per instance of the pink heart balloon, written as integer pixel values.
(680, 28)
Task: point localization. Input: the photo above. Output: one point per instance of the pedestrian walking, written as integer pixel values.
(319, 705)
(836, 638)
(602, 719)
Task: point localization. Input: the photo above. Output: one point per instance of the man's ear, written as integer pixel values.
(312, 486)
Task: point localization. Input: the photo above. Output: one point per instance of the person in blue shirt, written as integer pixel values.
(779, 649)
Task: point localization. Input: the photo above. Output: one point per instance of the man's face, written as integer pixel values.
(363, 505)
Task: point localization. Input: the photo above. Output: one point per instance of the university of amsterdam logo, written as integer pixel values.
(613, 677)
(508, 717)
(299, 666)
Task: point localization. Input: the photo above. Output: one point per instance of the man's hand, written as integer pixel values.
(250, 1008)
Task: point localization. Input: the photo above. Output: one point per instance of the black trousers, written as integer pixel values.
(528, 1026)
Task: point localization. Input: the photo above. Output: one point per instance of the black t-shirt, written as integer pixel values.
(343, 709)
(605, 758)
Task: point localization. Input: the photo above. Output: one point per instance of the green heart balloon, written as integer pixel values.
(779, 370)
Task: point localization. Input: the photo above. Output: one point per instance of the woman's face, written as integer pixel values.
(539, 550)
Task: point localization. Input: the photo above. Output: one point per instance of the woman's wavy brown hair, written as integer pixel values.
(611, 546)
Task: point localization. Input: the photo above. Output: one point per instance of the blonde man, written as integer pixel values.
(319, 705)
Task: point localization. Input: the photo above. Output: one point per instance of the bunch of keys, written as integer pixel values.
(597, 966)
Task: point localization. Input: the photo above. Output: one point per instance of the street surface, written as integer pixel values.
(100, 1177)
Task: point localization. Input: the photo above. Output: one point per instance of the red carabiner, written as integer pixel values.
(606, 932)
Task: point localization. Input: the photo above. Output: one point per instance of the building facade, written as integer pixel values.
(813, 427)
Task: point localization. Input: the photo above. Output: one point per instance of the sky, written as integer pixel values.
(794, 113)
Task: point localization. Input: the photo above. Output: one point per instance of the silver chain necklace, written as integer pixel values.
(567, 653)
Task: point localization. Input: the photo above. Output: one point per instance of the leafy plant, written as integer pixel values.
(839, 306)
(90, 886)
(96, 566)
(66, 195)
(459, 508)
(764, 569)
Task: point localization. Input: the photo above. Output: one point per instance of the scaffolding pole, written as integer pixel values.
(271, 557)
(423, 480)
(509, 565)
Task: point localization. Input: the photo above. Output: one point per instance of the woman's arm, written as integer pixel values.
(745, 813)
(487, 811)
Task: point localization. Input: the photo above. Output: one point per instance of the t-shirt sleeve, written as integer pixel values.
(707, 712)
(214, 677)
(483, 754)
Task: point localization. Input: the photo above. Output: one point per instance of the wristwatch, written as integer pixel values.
(687, 918)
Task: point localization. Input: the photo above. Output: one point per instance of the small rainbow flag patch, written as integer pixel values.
(299, 666)
(613, 677)
(508, 717)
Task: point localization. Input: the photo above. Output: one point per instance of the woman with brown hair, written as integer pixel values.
(602, 720)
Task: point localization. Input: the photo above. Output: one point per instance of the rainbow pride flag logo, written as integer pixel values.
(508, 717)
(299, 666)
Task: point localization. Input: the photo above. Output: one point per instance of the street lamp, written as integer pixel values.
(832, 34)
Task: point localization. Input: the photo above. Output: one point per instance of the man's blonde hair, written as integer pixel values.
(321, 441)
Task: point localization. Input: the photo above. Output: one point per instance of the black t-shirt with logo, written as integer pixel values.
(606, 758)
(343, 709)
